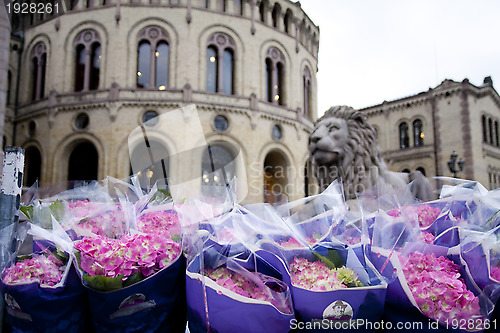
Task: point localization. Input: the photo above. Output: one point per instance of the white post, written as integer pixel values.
(10, 199)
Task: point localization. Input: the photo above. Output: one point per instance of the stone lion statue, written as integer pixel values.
(343, 145)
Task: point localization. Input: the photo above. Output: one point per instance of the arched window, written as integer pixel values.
(153, 58)
(148, 171)
(95, 66)
(227, 71)
(418, 133)
(83, 163)
(217, 168)
(80, 67)
(276, 14)
(275, 176)
(490, 130)
(314, 43)
(288, 21)
(404, 139)
(220, 64)
(495, 127)
(303, 31)
(212, 69)
(307, 91)
(485, 129)
(275, 76)
(33, 162)
(263, 8)
(9, 83)
(162, 53)
(87, 60)
(422, 170)
(38, 70)
(143, 64)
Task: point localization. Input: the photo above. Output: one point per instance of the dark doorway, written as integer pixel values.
(83, 163)
(33, 166)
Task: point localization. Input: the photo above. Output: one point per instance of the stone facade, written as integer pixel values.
(47, 118)
(452, 117)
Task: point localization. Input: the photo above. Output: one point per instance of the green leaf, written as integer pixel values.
(160, 196)
(57, 210)
(78, 257)
(134, 278)
(21, 258)
(27, 211)
(332, 259)
(104, 283)
(61, 255)
(175, 237)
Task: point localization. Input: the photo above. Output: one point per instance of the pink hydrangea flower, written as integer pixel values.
(316, 276)
(101, 219)
(159, 221)
(426, 213)
(146, 254)
(438, 288)
(495, 273)
(243, 286)
(294, 243)
(291, 243)
(47, 271)
(428, 237)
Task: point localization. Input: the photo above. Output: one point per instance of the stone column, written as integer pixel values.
(4, 67)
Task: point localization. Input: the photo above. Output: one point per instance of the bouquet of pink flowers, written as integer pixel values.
(41, 289)
(326, 273)
(439, 289)
(236, 288)
(46, 270)
(247, 287)
(226, 279)
(126, 260)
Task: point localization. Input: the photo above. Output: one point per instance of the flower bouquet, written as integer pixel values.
(224, 278)
(480, 250)
(428, 283)
(330, 282)
(229, 294)
(40, 287)
(134, 279)
(127, 283)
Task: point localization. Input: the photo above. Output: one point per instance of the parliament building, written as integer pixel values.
(82, 78)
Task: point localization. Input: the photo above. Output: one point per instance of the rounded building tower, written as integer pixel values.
(83, 77)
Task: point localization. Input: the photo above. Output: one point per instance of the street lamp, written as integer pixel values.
(455, 166)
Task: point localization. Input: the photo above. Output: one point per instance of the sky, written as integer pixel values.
(376, 50)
